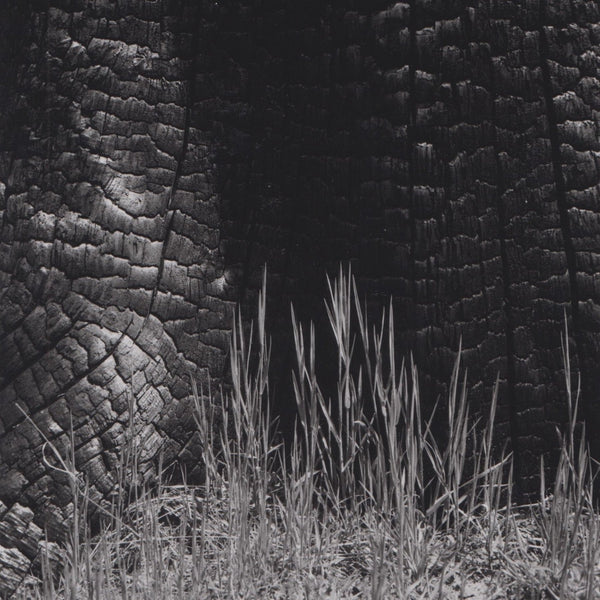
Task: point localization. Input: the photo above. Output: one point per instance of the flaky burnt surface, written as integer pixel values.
(155, 154)
(112, 276)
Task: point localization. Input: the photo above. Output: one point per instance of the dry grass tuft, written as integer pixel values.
(362, 505)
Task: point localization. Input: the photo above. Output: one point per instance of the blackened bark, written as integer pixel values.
(155, 155)
(110, 267)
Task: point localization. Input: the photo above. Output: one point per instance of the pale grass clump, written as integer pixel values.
(364, 502)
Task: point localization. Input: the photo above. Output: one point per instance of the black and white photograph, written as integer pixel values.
(299, 299)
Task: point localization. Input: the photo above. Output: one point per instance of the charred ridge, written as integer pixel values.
(561, 196)
(411, 141)
(584, 326)
(563, 211)
(169, 211)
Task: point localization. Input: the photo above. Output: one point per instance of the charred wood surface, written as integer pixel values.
(154, 155)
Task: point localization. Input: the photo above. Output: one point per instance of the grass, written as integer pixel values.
(364, 502)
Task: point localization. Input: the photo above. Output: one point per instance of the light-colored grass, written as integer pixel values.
(364, 503)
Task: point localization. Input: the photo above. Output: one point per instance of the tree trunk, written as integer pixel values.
(154, 155)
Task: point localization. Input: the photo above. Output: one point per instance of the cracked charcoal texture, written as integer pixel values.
(155, 154)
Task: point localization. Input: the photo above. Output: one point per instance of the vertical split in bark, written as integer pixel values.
(411, 141)
(568, 187)
(559, 180)
(507, 308)
(168, 211)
